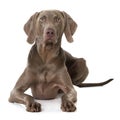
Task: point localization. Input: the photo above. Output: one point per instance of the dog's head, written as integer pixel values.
(49, 25)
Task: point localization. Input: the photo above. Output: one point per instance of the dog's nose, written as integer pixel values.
(50, 32)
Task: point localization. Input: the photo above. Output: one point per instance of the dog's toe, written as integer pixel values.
(68, 106)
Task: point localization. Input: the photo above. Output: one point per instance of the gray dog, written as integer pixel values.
(50, 69)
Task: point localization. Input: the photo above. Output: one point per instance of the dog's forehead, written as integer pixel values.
(50, 13)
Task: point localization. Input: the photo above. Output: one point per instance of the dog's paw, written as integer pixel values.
(68, 106)
(33, 107)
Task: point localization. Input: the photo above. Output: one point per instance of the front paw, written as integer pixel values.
(33, 107)
(68, 106)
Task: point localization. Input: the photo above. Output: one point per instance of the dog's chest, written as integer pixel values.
(46, 73)
(46, 86)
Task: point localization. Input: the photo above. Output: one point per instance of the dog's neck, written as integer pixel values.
(48, 52)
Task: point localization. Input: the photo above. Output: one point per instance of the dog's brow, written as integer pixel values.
(43, 17)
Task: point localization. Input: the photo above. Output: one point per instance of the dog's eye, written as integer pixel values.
(43, 19)
(57, 19)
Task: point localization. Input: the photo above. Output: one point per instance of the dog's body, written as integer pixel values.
(50, 69)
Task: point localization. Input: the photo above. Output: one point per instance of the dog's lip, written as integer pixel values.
(50, 40)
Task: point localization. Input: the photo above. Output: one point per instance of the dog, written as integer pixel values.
(50, 69)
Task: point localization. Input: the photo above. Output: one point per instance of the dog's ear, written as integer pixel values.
(70, 27)
(29, 28)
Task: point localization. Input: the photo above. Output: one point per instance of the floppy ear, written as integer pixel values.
(70, 27)
(29, 28)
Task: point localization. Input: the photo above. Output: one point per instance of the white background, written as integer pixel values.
(96, 39)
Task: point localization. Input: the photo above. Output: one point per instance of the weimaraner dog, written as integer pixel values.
(50, 69)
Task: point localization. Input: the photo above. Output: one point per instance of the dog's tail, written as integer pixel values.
(94, 84)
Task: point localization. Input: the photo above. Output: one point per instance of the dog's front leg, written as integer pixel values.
(70, 95)
(68, 101)
(17, 95)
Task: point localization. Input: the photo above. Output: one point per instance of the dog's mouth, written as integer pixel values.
(49, 44)
(49, 41)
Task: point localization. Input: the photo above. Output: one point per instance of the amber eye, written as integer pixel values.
(57, 19)
(43, 19)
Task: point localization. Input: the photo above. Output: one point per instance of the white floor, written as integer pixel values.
(93, 103)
